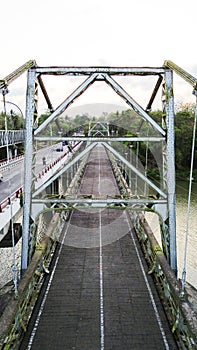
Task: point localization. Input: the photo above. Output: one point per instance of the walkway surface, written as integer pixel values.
(98, 294)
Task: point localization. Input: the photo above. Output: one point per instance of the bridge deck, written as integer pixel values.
(98, 294)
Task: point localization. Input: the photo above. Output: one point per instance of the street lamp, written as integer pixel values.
(19, 109)
(14, 104)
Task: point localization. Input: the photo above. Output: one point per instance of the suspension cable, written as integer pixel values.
(146, 166)
(4, 92)
(189, 205)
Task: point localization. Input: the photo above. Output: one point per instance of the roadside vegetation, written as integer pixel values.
(127, 123)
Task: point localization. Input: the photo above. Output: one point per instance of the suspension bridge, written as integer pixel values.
(93, 275)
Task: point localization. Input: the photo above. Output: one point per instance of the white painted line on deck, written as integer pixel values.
(33, 333)
(150, 291)
(101, 283)
(102, 334)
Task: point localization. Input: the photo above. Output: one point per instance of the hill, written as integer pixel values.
(93, 109)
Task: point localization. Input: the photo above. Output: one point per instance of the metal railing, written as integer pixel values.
(11, 137)
(9, 199)
(180, 316)
(18, 193)
(17, 314)
(12, 161)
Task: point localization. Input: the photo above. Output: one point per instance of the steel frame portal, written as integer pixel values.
(104, 74)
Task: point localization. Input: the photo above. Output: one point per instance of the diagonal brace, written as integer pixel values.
(130, 101)
(135, 170)
(90, 80)
(66, 167)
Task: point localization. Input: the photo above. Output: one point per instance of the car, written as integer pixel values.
(59, 149)
(1, 177)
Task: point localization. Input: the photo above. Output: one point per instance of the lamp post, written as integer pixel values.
(14, 104)
(19, 109)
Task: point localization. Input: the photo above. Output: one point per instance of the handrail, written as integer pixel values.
(8, 199)
(11, 137)
(15, 317)
(4, 162)
(178, 311)
(19, 191)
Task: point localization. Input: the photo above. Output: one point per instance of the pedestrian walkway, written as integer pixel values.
(98, 294)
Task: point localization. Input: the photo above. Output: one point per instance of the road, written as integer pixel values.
(13, 174)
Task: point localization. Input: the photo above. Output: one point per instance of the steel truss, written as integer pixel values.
(165, 135)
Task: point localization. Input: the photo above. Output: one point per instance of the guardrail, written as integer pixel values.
(17, 313)
(19, 191)
(7, 200)
(51, 165)
(11, 137)
(12, 161)
(178, 310)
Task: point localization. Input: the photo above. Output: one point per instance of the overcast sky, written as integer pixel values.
(98, 32)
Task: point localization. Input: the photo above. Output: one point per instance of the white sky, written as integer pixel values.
(98, 32)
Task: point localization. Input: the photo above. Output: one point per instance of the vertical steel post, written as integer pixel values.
(164, 151)
(28, 167)
(60, 186)
(171, 168)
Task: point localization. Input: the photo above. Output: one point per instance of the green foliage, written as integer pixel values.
(42, 118)
(81, 120)
(184, 122)
(127, 123)
(14, 121)
(153, 174)
(2, 121)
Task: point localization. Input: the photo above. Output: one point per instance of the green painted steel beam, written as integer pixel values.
(16, 73)
(182, 73)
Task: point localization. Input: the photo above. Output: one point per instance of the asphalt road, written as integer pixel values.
(13, 175)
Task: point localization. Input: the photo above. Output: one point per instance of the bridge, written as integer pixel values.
(84, 280)
(14, 137)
